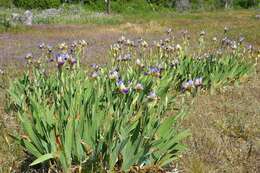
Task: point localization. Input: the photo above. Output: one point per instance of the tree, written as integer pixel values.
(107, 6)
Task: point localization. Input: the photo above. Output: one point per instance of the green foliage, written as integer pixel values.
(246, 3)
(6, 3)
(40, 4)
(5, 22)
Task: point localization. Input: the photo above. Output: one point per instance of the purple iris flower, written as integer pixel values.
(113, 75)
(152, 96)
(94, 66)
(154, 71)
(139, 87)
(73, 61)
(125, 57)
(60, 59)
(64, 56)
(124, 90)
(198, 81)
(187, 85)
(94, 74)
(119, 82)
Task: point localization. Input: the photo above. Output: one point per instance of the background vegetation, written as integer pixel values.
(129, 5)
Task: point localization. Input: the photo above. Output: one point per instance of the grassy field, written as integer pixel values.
(225, 124)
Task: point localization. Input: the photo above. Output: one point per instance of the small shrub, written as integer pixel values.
(40, 4)
(6, 3)
(246, 3)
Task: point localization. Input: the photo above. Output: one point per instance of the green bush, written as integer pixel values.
(246, 3)
(41, 4)
(5, 3)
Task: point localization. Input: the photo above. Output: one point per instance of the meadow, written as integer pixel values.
(154, 92)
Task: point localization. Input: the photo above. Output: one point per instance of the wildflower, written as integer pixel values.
(144, 44)
(113, 75)
(64, 56)
(241, 39)
(202, 33)
(83, 43)
(122, 88)
(160, 67)
(63, 46)
(250, 48)
(184, 33)
(2, 72)
(28, 56)
(225, 29)
(61, 58)
(214, 39)
(175, 62)
(187, 85)
(60, 62)
(169, 31)
(94, 74)
(156, 44)
(115, 47)
(234, 45)
(139, 63)
(130, 43)
(154, 71)
(72, 61)
(139, 87)
(152, 96)
(49, 48)
(198, 81)
(178, 47)
(167, 40)
(125, 57)
(42, 46)
(121, 40)
(94, 66)
(169, 48)
(74, 44)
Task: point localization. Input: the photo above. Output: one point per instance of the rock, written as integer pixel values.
(28, 18)
(182, 5)
(257, 16)
(50, 13)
